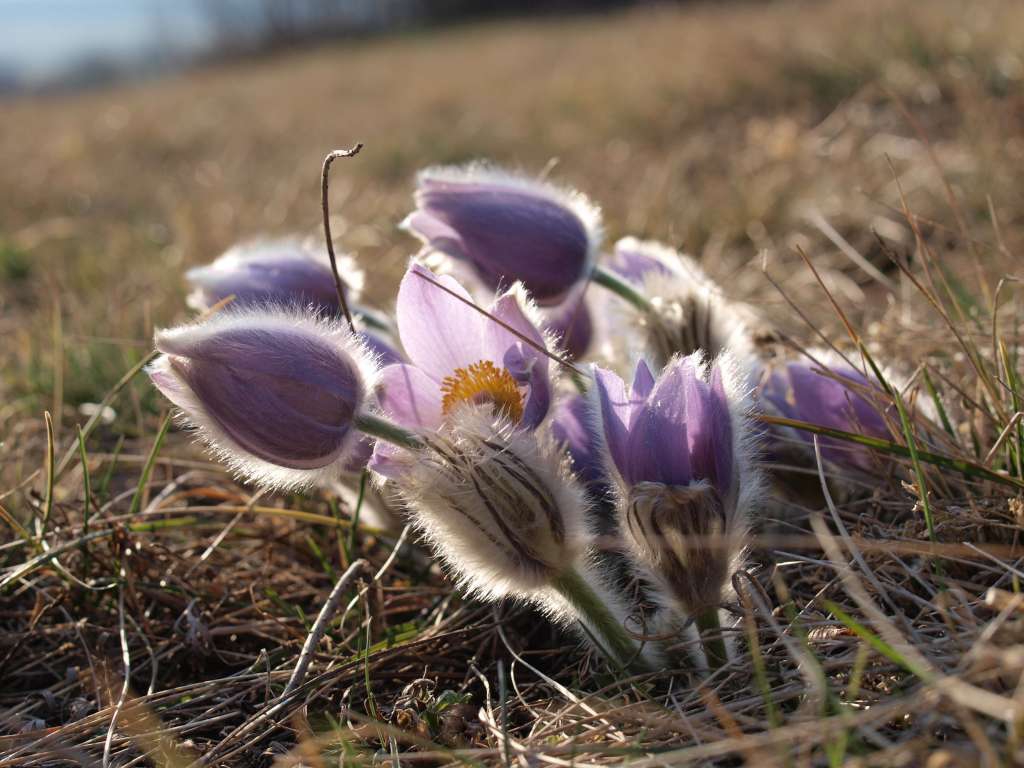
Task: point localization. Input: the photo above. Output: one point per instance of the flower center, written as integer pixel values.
(483, 383)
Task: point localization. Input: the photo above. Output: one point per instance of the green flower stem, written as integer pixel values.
(621, 288)
(386, 431)
(608, 632)
(711, 638)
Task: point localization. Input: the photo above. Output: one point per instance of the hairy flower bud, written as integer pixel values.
(682, 534)
(679, 450)
(273, 393)
(689, 312)
(284, 271)
(508, 228)
(497, 503)
(827, 391)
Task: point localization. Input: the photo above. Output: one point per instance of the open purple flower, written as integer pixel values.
(275, 394)
(677, 448)
(802, 391)
(284, 271)
(508, 228)
(460, 357)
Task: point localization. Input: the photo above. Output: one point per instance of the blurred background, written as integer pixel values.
(141, 137)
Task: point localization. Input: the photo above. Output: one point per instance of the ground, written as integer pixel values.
(880, 141)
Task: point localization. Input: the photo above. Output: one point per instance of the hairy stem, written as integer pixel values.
(599, 621)
(386, 431)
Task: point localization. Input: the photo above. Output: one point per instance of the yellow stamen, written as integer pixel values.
(482, 383)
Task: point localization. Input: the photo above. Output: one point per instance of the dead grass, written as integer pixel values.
(743, 132)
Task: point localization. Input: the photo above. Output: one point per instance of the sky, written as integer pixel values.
(40, 38)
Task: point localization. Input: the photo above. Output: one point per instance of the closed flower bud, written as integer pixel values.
(274, 393)
(679, 449)
(689, 312)
(831, 393)
(508, 228)
(499, 504)
(283, 271)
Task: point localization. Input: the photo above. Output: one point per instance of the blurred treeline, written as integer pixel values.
(252, 26)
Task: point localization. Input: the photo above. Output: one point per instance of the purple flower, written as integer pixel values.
(688, 310)
(635, 259)
(571, 323)
(459, 357)
(380, 347)
(284, 271)
(274, 393)
(678, 450)
(572, 425)
(676, 430)
(842, 400)
(508, 228)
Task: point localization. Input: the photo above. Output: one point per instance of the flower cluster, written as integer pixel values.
(488, 404)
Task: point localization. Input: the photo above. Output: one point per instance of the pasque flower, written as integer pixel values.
(687, 310)
(275, 393)
(678, 449)
(285, 271)
(458, 355)
(508, 228)
(829, 393)
(488, 486)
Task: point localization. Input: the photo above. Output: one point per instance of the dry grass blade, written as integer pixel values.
(325, 174)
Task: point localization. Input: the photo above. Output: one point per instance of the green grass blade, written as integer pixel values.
(964, 467)
(147, 470)
(876, 642)
(939, 407)
(908, 435)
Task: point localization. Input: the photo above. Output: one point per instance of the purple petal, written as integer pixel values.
(281, 394)
(509, 231)
(824, 401)
(357, 460)
(267, 272)
(410, 397)
(572, 425)
(722, 417)
(571, 323)
(634, 259)
(438, 331)
(643, 382)
(658, 445)
(387, 460)
(614, 409)
(710, 431)
(528, 365)
(433, 231)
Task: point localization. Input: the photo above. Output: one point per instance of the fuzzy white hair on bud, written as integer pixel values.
(689, 311)
(269, 252)
(494, 177)
(331, 337)
(498, 504)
